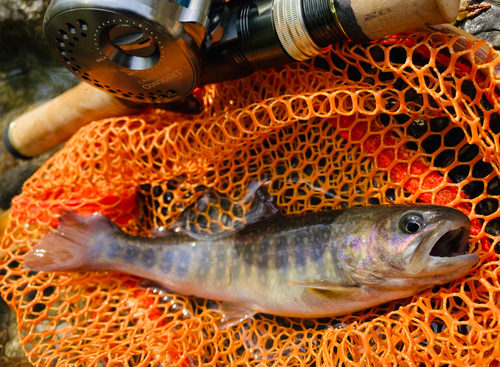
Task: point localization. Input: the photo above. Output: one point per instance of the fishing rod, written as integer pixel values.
(159, 51)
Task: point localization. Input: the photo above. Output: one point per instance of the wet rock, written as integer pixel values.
(15, 362)
(29, 74)
(12, 180)
(11, 352)
(6, 159)
(484, 23)
(13, 347)
(22, 9)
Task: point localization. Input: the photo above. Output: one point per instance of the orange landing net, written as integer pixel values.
(406, 119)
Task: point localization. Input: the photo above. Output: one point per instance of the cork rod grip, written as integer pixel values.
(55, 121)
(364, 20)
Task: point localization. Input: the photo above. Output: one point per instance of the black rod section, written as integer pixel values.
(322, 23)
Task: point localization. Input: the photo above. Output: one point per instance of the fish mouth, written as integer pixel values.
(451, 244)
(443, 254)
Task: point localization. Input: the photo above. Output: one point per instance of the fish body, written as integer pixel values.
(311, 265)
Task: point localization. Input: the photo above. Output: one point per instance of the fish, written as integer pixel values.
(310, 265)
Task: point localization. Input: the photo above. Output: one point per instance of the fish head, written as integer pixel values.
(411, 247)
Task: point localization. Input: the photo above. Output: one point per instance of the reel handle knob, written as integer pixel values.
(132, 40)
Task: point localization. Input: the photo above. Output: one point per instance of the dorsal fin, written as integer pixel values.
(262, 207)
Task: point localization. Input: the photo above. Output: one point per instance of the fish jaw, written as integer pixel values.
(448, 272)
(443, 253)
(444, 270)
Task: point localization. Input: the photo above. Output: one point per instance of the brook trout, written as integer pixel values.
(311, 265)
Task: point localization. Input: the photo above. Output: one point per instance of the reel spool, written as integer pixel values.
(143, 51)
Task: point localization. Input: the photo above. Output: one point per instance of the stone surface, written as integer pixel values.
(486, 24)
(21, 9)
(13, 347)
(11, 353)
(12, 180)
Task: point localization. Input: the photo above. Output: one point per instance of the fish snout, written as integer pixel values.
(444, 249)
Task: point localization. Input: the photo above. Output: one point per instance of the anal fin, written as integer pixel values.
(233, 314)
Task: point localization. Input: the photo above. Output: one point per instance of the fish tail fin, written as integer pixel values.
(68, 248)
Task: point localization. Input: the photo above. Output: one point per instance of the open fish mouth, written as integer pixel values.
(443, 254)
(452, 243)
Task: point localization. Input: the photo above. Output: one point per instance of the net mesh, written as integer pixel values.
(410, 118)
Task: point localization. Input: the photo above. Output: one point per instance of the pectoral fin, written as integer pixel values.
(327, 288)
(325, 284)
(233, 314)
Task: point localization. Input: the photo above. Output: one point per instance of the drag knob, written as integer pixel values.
(129, 47)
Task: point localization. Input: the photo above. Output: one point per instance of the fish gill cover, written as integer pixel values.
(406, 119)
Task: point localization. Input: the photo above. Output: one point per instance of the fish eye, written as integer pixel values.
(411, 223)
